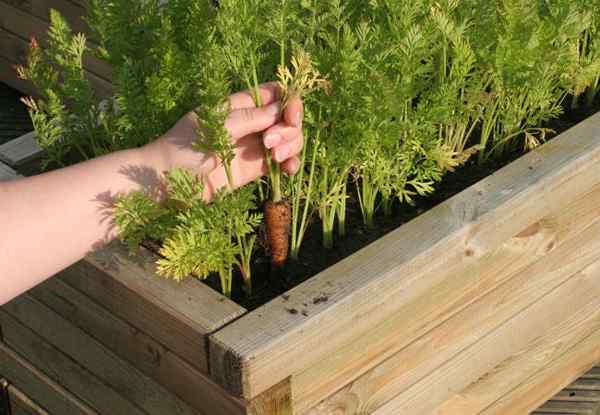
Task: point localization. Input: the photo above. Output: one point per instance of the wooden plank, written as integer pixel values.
(138, 348)
(521, 288)
(575, 395)
(267, 346)
(510, 354)
(15, 49)
(20, 150)
(567, 407)
(74, 13)
(530, 394)
(7, 173)
(275, 401)
(136, 387)
(38, 386)
(23, 25)
(21, 404)
(513, 275)
(63, 370)
(178, 315)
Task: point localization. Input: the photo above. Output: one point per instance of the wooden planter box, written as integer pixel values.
(487, 304)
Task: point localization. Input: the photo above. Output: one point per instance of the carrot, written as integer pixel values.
(278, 219)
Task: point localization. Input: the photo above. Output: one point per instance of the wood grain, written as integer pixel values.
(532, 393)
(74, 13)
(454, 313)
(133, 385)
(275, 401)
(40, 387)
(20, 150)
(269, 345)
(21, 404)
(145, 353)
(522, 287)
(178, 315)
(561, 319)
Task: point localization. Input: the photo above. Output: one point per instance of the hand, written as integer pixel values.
(252, 129)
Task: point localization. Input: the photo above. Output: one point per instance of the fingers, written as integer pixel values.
(291, 166)
(294, 112)
(280, 134)
(246, 121)
(269, 93)
(288, 149)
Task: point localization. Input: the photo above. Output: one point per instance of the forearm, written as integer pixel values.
(51, 221)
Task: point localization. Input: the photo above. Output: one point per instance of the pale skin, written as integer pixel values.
(52, 220)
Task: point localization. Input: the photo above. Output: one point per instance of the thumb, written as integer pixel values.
(246, 121)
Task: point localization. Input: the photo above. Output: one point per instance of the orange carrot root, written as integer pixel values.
(278, 218)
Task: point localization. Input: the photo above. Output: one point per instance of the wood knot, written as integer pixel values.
(530, 231)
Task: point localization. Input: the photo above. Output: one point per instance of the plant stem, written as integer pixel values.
(341, 210)
(367, 197)
(299, 226)
(246, 250)
(226, 278)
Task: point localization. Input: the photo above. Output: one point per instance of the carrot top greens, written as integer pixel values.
(397, 93)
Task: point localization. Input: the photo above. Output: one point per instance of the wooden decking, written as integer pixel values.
(14, 119)
(581, 397)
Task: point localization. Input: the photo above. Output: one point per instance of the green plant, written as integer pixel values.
(197, 238)
(397, 93)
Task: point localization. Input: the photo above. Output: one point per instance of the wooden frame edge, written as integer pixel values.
(261, 348)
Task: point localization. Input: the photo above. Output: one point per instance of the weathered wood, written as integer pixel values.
(532, 393)
(568, 408)
(521, 288)
(74, 13)
(551, 326)
(138, 348)
(133, 385)
(38, 386)
(505, 280)
(275, 401)
(20, 150)
(21, 404)
(7, 173)
(267, 346)
(177, 315)
(17, 22)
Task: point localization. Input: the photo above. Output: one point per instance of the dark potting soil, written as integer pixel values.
(14, 118)
(314, 258)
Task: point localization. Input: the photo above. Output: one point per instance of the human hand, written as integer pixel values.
(252, 129)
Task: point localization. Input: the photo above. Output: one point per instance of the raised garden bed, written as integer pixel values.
(486, 304)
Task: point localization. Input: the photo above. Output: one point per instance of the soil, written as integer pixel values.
(270, 283)
(14, 118)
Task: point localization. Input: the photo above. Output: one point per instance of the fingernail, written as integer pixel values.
(273, 109)
(299, 118)
(282, 154)
(272, 140)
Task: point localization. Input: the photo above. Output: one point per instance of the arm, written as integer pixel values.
(52, 220)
